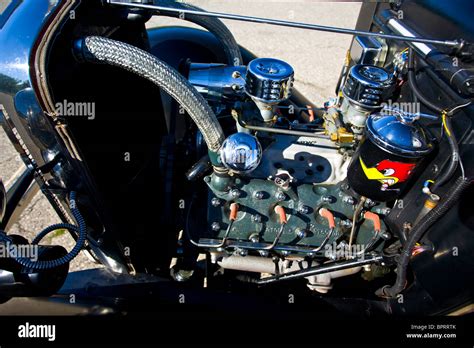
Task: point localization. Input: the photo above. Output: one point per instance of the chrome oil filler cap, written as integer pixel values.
(241, 153)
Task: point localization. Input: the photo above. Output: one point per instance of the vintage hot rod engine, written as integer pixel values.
(283, 194)
(277, 189)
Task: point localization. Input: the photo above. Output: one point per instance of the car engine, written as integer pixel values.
(281, 191)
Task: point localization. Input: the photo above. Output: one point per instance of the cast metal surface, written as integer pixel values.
(245, 228)
(308, 160)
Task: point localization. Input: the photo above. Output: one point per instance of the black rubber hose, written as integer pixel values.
(412, 83)
(453, 144)
(81, 239)
(199, 169)
(211, 24)
(417, 232)
(440, 82)
(97, 49)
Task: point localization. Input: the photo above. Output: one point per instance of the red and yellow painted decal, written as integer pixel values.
(387, 172)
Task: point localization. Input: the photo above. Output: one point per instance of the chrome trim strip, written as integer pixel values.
(401, 29)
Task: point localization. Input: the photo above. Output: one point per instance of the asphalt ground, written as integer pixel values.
(316, 57)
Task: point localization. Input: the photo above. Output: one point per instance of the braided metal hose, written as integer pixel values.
(96, 49)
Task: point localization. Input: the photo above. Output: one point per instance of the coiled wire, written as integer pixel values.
(80, 229)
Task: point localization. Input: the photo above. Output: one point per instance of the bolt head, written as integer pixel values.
(254, 238)
(345, 186)
(216, 226)
(215, 202)
(235, 193)
(236, 74)
(327, 199)
(349, 200)
(280, 196)
(346, 223)
(257, 218)
(303, 209)
(369, 203)
(301, 233)
(259, 195)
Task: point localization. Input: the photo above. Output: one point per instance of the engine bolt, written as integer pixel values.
(346, 223)
(216, 226)
(327, 199)
(254, 238)
(303, 209)
(263, 253)
(384, 211)
(349, 200)
(236, 74)
(301, 233)
(257, 218)
(236, 88)
(215, 202)
(259, 195)
(369, 203)
(242, 252)
(385, 235)
(280, 196)
(235, 193)
(285, 252)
